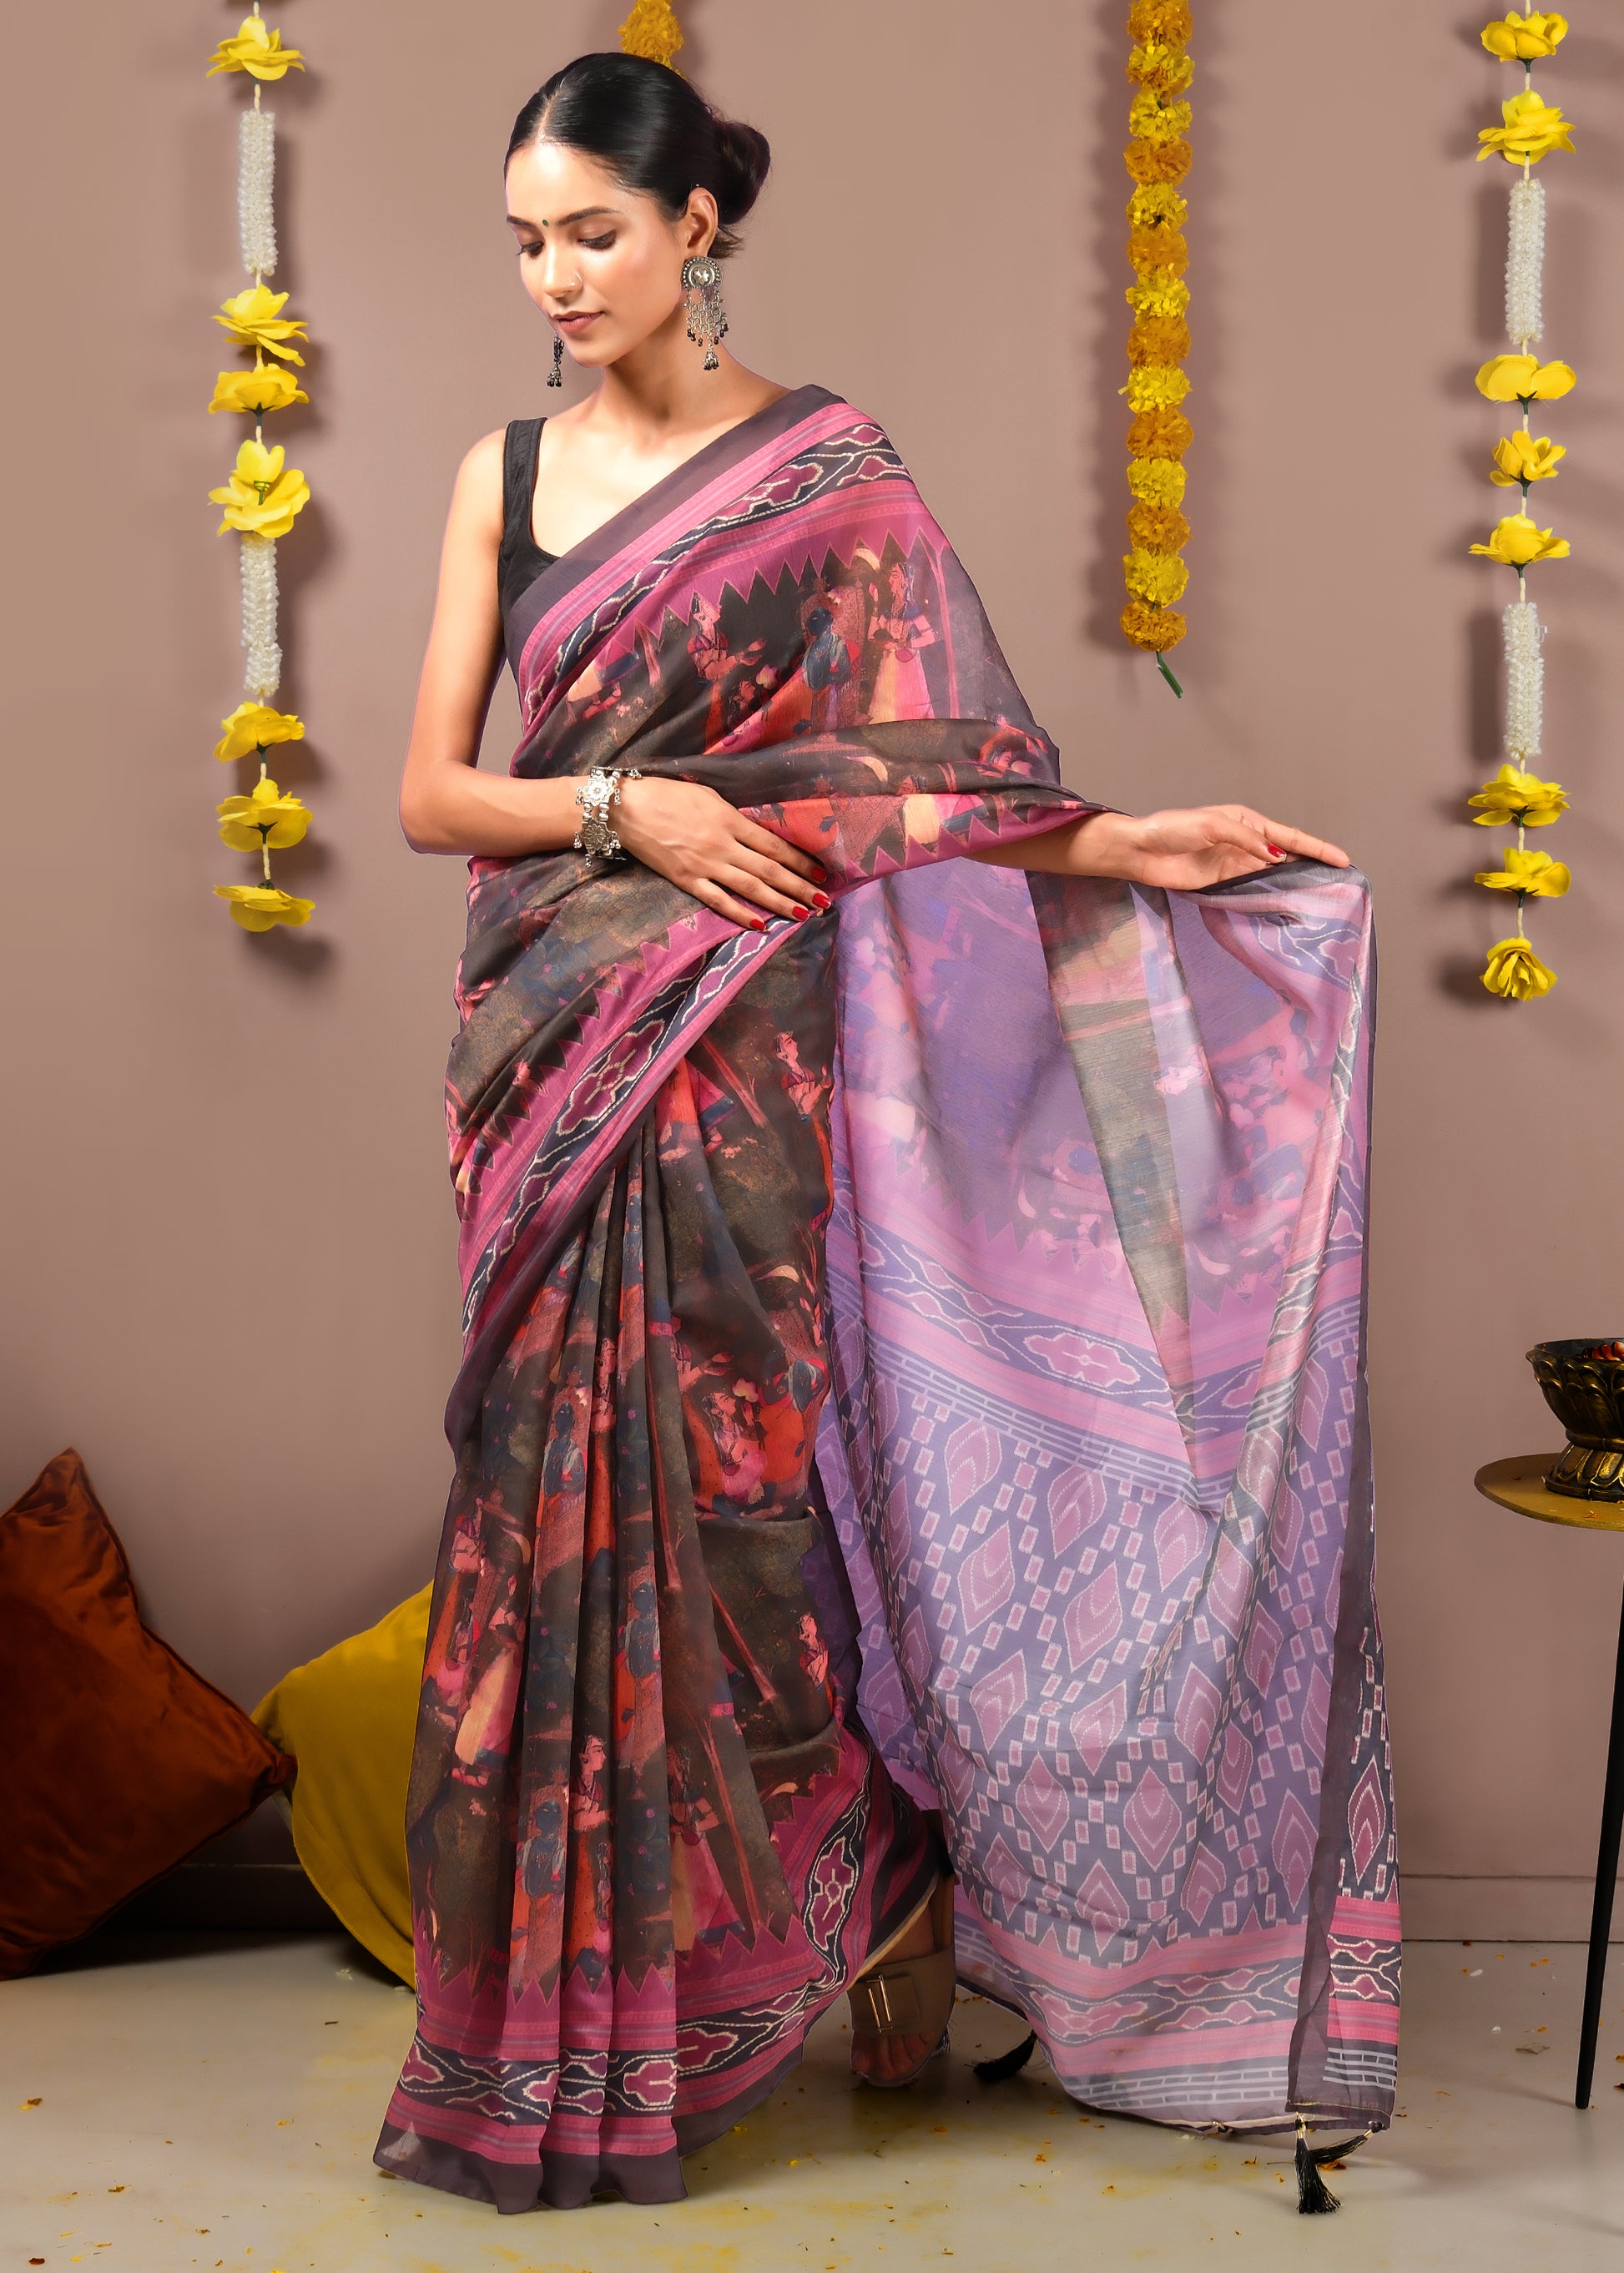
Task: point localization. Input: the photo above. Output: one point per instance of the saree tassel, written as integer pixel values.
(1007, 2064)
(1314, 2198)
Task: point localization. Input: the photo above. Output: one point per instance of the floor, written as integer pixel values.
(170, 2102)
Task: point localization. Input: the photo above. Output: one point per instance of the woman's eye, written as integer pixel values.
(598, 244)
(528, 251)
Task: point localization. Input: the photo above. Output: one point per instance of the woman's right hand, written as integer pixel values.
(688, 833)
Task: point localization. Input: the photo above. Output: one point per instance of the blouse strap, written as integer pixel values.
(521, 444)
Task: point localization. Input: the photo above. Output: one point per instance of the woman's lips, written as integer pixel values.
(578, 321)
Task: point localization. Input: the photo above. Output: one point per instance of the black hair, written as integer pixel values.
(654, 133)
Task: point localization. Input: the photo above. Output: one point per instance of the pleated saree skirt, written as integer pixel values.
(650, 1840)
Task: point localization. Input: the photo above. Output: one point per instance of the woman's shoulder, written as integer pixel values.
(477, 495)
(482, 463)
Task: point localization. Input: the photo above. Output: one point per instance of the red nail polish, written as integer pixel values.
(758, 923)
(799, 911)
(822, 900)
(1277, 852)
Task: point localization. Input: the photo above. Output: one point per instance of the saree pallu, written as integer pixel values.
(912, 1376)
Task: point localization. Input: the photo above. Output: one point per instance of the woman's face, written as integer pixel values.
(600, 261)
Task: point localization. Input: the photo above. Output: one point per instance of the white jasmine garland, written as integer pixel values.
(255, 179)
(1525, 260)
(1525, 682)
(263, 673)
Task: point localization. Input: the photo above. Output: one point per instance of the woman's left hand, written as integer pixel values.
(1180, 851)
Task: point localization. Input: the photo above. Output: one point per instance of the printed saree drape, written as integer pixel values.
(912, 1376)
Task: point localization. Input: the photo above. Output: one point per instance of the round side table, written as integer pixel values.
(1519, 1485)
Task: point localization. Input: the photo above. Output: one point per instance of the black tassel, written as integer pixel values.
(1007, 2064)
(1314, 2198)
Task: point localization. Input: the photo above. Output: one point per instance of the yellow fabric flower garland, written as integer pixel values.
(262, 495)
(1517, 798)
(1158, 158)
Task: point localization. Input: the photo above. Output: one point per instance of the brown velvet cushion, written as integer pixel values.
(117, 1760)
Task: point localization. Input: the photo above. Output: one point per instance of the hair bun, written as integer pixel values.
(654, 131)
(743, 155)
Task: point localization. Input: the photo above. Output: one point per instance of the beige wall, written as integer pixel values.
(229, 1239)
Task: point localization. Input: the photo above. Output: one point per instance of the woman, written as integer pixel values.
(881, 1268)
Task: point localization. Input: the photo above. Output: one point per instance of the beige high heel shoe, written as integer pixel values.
(908, 1996)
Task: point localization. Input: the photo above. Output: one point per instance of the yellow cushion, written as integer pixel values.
(348, 1718)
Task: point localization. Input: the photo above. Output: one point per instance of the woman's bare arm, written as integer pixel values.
(1179, 851)
(446, 804)
(685, 832)
(688, 833)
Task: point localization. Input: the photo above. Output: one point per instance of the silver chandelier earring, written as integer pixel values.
(555, 377)
(707, 324)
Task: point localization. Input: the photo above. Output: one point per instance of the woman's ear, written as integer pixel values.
(699, 223)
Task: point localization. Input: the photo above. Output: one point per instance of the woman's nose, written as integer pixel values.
(557, 273)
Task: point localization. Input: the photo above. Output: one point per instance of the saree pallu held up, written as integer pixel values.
(913, 1371)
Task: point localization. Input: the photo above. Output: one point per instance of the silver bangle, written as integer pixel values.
(596, 795)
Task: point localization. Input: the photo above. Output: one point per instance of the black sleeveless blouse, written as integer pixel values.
(519, 559)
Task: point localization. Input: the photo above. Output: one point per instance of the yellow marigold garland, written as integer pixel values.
(1157, 481)
(1159, 527)
(651, 30)
(1157, 159)
(262, 495)
(1518, 797)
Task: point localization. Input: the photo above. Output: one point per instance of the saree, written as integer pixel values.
(912, 1396)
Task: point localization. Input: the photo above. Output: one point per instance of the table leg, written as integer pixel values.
(1606, 1881)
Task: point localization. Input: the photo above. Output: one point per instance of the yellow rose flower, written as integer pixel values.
(265, 816)
(268, 386)
(1536, 873)
(1156, 481)
(1155, 386)
(1532, 127)
(1524, 39)
(1515, 800)
(1157, 578)
(1524, 378)
(255, 48)
(252, 727)
(1523, 457)
(258, 906)
(1516, 543)
(259, 497)
(1515, 973)
(254, 320)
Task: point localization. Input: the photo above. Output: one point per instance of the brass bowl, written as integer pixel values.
(1587, 1396)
